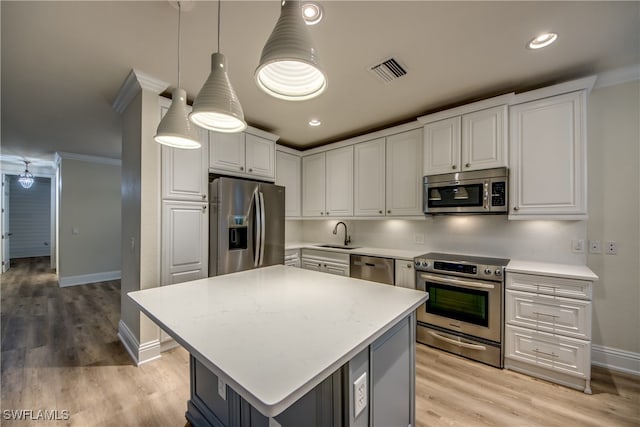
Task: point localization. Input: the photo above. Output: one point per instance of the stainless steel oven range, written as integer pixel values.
(464, 312)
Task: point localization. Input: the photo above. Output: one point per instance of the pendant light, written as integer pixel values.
(289, 65)
(175, 129)
(217, 106)
(26, 178)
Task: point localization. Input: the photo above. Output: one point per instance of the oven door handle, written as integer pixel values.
(459, 282)
(458, 343)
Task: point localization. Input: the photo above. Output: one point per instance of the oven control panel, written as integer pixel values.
(461, 265)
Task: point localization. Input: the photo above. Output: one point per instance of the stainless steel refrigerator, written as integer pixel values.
(246, 225)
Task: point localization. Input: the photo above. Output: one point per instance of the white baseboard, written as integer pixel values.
(140, 353)
(615, 359)
(84, 279)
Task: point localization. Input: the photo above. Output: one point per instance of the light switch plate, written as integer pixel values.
(577, 246)
(360, 396)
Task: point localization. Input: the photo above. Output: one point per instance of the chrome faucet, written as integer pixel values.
(347, 238)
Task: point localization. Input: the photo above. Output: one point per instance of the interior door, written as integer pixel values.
(5, 223)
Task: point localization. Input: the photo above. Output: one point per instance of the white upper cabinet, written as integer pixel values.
(339, 182)
(184, 172)
(313, 185)
(471, 141)
(404, 174)
(327, 183)
(548, 158)
(243, 154)
(288, 175)
(369, 178)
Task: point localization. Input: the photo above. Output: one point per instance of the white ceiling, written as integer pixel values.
(63, 62)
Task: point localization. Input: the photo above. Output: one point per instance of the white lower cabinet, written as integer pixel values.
(325, 261)
(405, 274)
(547, 334)
(292, 257)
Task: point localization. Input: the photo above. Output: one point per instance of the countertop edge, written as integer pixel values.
(400, 254)
(568, 271)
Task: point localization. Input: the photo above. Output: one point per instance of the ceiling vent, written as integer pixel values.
(388, 70)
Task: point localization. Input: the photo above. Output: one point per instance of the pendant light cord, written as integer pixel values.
(179, 16)
(219, 1)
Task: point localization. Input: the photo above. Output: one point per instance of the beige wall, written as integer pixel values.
(614, 213)
(89, 203)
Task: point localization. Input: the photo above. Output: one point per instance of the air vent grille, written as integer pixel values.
(388, 70)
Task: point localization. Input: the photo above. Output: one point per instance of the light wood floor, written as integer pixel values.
(60, 351)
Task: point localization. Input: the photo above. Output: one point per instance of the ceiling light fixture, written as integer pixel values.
(289, 65)
(312, 13)
(217, 106)
(543, 40)
(314, 122)
(175, 129)
(26, 178)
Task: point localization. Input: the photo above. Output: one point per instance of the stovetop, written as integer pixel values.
(487, 268)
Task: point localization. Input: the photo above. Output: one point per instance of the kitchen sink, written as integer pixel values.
(337, 246)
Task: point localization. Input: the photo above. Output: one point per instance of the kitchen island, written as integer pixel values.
(285, 346)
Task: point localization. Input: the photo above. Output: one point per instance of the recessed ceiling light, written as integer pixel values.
(314, 122)
(543, 40)
(312, 13)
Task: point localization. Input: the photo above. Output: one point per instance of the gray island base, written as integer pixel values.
(281, 346)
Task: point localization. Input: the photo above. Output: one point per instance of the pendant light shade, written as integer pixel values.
(289, 65)
(175, 129)
(217, 106)
(25, 179)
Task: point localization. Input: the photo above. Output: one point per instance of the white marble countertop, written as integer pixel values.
(364, 250)
(569, 271)
(275, 333)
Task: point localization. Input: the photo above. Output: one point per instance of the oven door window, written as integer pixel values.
(466, 305)
(455, 196)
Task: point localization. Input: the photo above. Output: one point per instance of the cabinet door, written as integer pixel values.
(442, 146)
(313, 185)
(288, 175)
(337, 269)
(548, 158)
(484, 139)
(311, 264)
(368, 178)
(339, 182)
(227, 151)
(260, 156)
(185, 235)
(185, 172)
(404, 174)
(405, 275)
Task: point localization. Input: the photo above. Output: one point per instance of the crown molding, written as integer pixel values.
(618, 76)
(61, 155)
(136, 81)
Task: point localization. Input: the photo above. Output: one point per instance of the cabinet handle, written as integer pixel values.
(241, 168)
(204, 208)
(321, 213)
(544, 314)
(379, 212)
(552, 354)
(327, 213)
(388, 212)
(250, 169)
(204, 196)
(467, 165)
(515, 208)
(409, 265)
(454, 167)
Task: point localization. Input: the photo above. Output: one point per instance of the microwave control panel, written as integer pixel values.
(498, 193)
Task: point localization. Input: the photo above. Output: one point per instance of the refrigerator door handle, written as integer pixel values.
(258, 228)
(262, 227)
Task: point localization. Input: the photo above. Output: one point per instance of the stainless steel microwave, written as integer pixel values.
(475, 192)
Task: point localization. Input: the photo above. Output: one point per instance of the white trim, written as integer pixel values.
(136, 81)
(288, 150)
(468, 108)
(585, 83)
(615, 359)
(140, 353)
(87, 158)
(618, 76)
(84, 279)
(262, 133)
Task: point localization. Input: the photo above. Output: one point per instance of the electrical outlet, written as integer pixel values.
(595, 246)
(222, 389)
(360, 395)
(611, 248)
(577, 246)
(418, 238)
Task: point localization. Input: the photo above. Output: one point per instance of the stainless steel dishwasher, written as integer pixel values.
(375, 269)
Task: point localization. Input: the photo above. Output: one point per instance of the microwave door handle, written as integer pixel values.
(257, 239)
(458, 343)
(262, 227)
(460, 282)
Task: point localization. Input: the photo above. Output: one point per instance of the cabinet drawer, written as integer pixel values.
(558, 286)
(548, 313)
(562, 354)
(338, 257)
